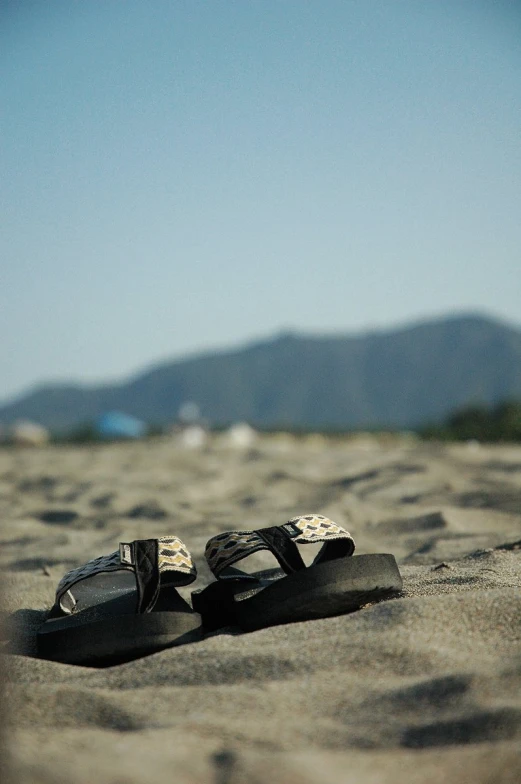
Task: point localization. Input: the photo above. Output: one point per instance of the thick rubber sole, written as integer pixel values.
(116, 639)
(331, 588)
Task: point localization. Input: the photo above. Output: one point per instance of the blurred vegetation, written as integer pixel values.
(84, 434)
(495, 424)
(88, 434)
(501, 423)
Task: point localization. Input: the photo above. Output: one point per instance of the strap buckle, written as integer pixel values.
(126, 555)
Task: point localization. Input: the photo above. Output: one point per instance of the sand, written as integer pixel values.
(422, 688)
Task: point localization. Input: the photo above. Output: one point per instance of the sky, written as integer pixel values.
(182, 175)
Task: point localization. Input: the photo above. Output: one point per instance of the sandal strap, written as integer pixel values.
(280, 543)
(227, 548)
(149, 559)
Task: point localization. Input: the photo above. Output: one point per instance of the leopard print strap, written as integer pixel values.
(227, 548)
(173, 557)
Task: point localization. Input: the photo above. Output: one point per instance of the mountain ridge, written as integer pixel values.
(399, 377)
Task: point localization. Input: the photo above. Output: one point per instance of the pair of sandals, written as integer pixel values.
(125, 605)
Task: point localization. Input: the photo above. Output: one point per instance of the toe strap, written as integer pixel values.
(153, 561)
(227, 548)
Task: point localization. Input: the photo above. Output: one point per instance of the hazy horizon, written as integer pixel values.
(239, 344)
(184, 177)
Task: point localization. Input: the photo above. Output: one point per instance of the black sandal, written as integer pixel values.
(334, 584)
(122, 606)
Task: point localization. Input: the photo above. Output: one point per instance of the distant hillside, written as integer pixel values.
(399, 378)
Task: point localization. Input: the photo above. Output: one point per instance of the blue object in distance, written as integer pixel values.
(116, 424)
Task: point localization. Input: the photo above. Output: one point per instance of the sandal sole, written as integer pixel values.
(117, 639)
(333, 588)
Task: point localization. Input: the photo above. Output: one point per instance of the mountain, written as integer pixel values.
(398, 378)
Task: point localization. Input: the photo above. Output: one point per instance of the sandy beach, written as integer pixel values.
(421, 688)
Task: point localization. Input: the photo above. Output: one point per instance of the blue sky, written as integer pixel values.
(182, 174)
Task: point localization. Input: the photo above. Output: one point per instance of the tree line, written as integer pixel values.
(481, 423)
